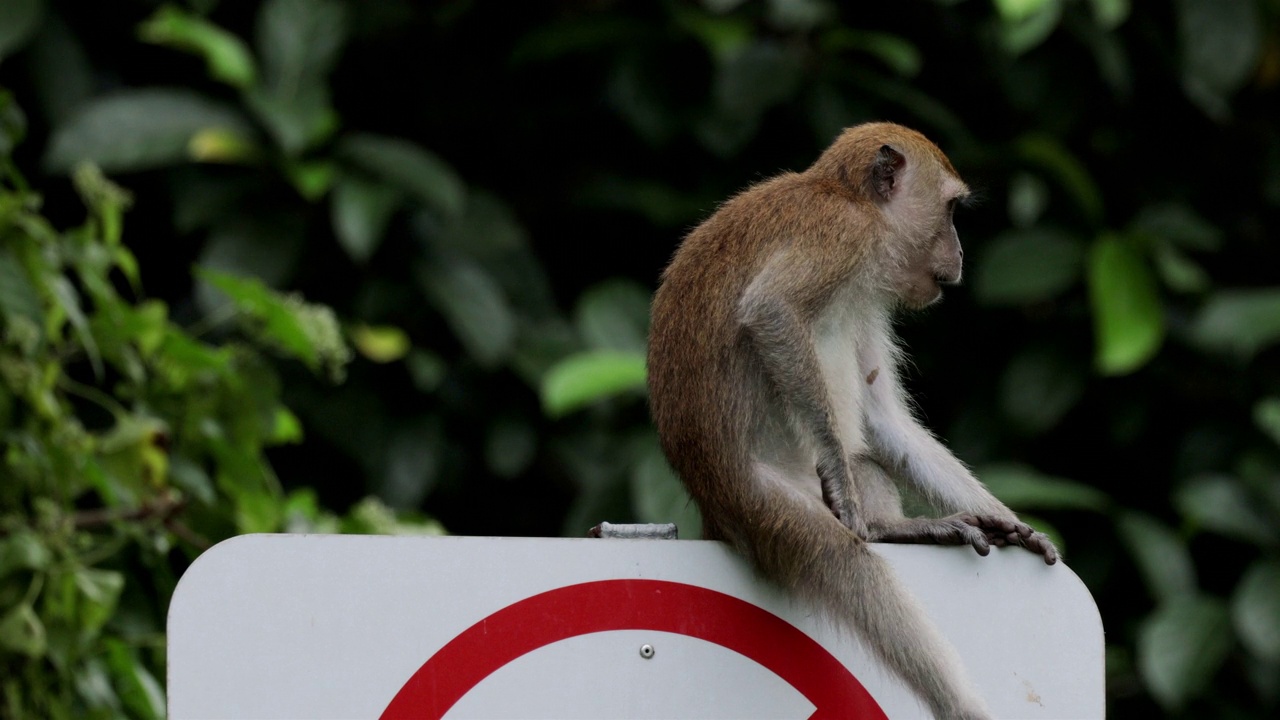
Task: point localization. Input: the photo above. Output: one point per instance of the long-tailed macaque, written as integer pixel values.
(773, 376)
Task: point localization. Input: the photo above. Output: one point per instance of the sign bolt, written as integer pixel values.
(646, 651)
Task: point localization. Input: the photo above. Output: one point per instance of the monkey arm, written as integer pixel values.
(771, 313)
(912, 453)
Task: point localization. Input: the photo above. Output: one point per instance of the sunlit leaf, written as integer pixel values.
(18, 20)
(1221, 504)
(1026, 266)
(281, 324)
(579, 380)
(360, 211)
(1238, 322)
(474, 306)
(138, 129)
(225, 55)
(1161, 556)
(1181, 646)
(1022, 487)
(406, 166)
(219, 145)
(614, 315)
(382, 343)
(1128, 319)
(1255, 610)
(286, 428)
(312, 178)
(139, 690)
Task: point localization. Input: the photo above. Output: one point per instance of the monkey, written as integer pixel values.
(774, 387)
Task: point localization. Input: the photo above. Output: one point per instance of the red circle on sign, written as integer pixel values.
(657, 605)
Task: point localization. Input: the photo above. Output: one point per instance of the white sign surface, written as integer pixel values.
(331, 626)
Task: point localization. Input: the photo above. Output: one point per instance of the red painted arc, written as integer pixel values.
(657, 605)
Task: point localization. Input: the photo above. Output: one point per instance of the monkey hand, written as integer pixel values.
(952, 530)
(1001, 531)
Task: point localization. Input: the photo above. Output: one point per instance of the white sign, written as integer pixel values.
(347, 626)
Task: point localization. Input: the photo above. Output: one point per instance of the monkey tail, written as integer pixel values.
(811, 554)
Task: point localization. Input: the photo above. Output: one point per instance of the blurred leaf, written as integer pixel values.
(408, 167)
(510, 446)
(22, 632)
(723, 36)
(19, 19)
(1221, 504)
(1022, 487)
(219, 145)
(381, 344)
(582, 379)
(426, 369)
(286, 428)
(1178, 224)
(138, 688)
(1179, 272)
(281, 323)
(1255, 610)
(571, 36)
(371, 516)
(1027, 266)
(801, 14)
(100, 590)
(1161, 556)
(1046, 152)
(133, 130)
(1038, 388)
(1128, 319)
(1220, 43)
(1027, 23)
(1181, 646)
(657, 493)
(1238, 322)
(614, 315)
(298, 42)
(1028, 197)
(1110, 14)
(412, 463)
(896, 52)
(659, 203)
(23, 550)
(312, 178)
(1266, 415)
(360, 211)
(18, 298)
(474, 306)
(225, 55)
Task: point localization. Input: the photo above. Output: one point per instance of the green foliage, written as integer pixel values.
(487, 212)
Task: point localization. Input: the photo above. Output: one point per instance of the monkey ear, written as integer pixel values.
(884, 171)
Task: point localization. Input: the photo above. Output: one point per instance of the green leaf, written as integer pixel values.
(1179, 224)
(22, 632)
(1110, 14)
(226, 56)
(1028, 198)
(1128, 319)
(657, 493)
(360, 211)
(1179, 272)
(896, 52)
(22, 550)
(1023, 487)
(614, 315)
(1027, 266)
(138, 130)
(311, 178)
(19, 20)
(18, 297)
(1046, 152)
(286, 429)
(382, 343)
(1161, 556)
(281, 323)
(1238, 322)
(1266, 415)
(1255, 610)
(585, 378)
(474, 306)
(139, 690)
(1220, 43)
(510, 446)
(1027, 23)
(1221, 504)
(1038, 388)
(100, 592)
(408, 167)
(426, 369)
(1181, 646)
(298, 42)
